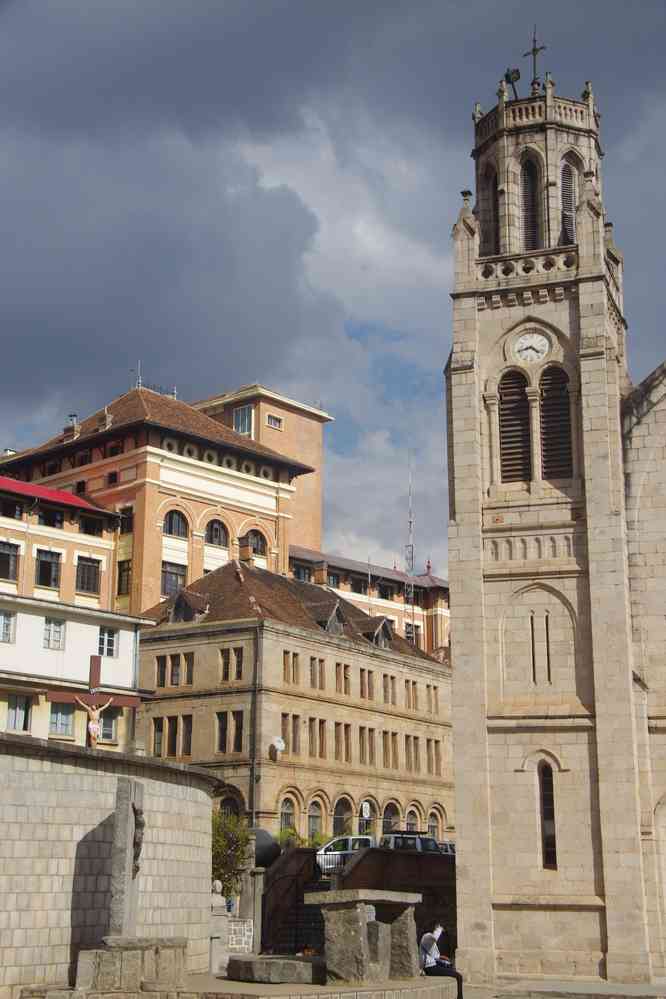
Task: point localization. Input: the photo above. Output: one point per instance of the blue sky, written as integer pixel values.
(263, 190)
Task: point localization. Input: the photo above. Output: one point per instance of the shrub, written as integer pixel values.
(231, 838)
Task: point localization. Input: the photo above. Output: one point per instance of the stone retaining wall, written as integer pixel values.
(56, 826)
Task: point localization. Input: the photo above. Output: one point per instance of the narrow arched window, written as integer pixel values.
(314, 822)
(342, 817)
(433, 825)
(230, 808)
(514, 428)
(529, 205)
(175, 524)
(555, 411)
(412, 821)
(257, 542)
(391, 818)
(217, 534)
(489, 211)
(287, 814)
(568, 199)
(547, 807)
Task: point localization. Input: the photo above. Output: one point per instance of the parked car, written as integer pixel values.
(419, 841)
(448, 846)
(334, 855)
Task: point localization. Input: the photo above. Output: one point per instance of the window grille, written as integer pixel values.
(47, 569)
(108, 641)
(555, 413)
(54, 633)
(18, 713)
(514, 427)
(175, 524)
(568, 196)
(8, 560)
(257, 542)
(217, 534)
(529, 205)
(62, 719)
(87, 575)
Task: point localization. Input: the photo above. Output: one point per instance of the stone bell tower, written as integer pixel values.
(551, 877)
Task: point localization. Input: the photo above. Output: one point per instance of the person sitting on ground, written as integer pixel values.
(433, 962)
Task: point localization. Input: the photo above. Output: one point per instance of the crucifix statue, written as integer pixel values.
(94, 712)
(534, 52)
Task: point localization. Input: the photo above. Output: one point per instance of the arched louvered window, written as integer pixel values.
(568, 199)
(547, 808)
(175, 524)
(514, 428)
(489, 210)
(217, 534)
(529, 205)
(556, 452)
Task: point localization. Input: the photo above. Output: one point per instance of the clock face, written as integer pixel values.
(531, 347)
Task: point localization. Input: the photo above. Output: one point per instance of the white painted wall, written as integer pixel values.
(26, 653)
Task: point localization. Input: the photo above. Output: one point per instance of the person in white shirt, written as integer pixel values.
(435, 964)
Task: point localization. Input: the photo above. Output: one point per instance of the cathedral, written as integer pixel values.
(557, 555)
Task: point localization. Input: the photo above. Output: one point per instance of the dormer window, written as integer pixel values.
(243, 420)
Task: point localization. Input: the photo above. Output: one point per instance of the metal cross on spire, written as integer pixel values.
(534, 52)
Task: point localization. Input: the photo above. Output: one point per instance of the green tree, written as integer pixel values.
(231, 838)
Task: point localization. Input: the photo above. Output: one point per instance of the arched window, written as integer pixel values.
(366, 826)
(287, 814)
(433, 825)
(547, 806)
(217, 534)
(342, 817)
(229, 807)
(412, 821)
(529, 205)
(568, 201)
(257, 542)
(175, 524)
(555, 412)
(489, 212)
(514, 428)
(391, 818)
(314, 820)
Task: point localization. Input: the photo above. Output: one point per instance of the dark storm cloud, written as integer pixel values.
(134, 225)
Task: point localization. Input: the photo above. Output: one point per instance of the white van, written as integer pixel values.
(334, 855)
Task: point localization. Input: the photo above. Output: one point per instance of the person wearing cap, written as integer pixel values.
(435, 964)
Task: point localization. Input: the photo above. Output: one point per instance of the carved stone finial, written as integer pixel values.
(501, 90)
(587, 92)
(466, 206)
(550, 82)
(477, 113)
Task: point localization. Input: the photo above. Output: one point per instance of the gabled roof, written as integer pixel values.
(142, 406)
(239, 591)
(60, 497)
(425, 580)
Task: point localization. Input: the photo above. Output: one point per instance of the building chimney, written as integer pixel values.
(428, 567)
(245, 551)
(72, 429)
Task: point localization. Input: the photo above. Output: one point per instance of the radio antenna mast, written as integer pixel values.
(409, 550)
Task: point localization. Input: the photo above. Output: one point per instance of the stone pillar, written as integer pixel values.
(535, 431)
(125, 856)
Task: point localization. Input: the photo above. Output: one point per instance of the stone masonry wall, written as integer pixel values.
(56, 827)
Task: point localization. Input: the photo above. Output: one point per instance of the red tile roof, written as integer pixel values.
(238, 590)
(144, 406)
(61, 497)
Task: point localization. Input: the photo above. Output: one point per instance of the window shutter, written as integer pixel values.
(529, 206)
(568, 196)
(514, 425)
(556, 451)
(489, 204)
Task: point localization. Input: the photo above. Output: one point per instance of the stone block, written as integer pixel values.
(108, 970)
